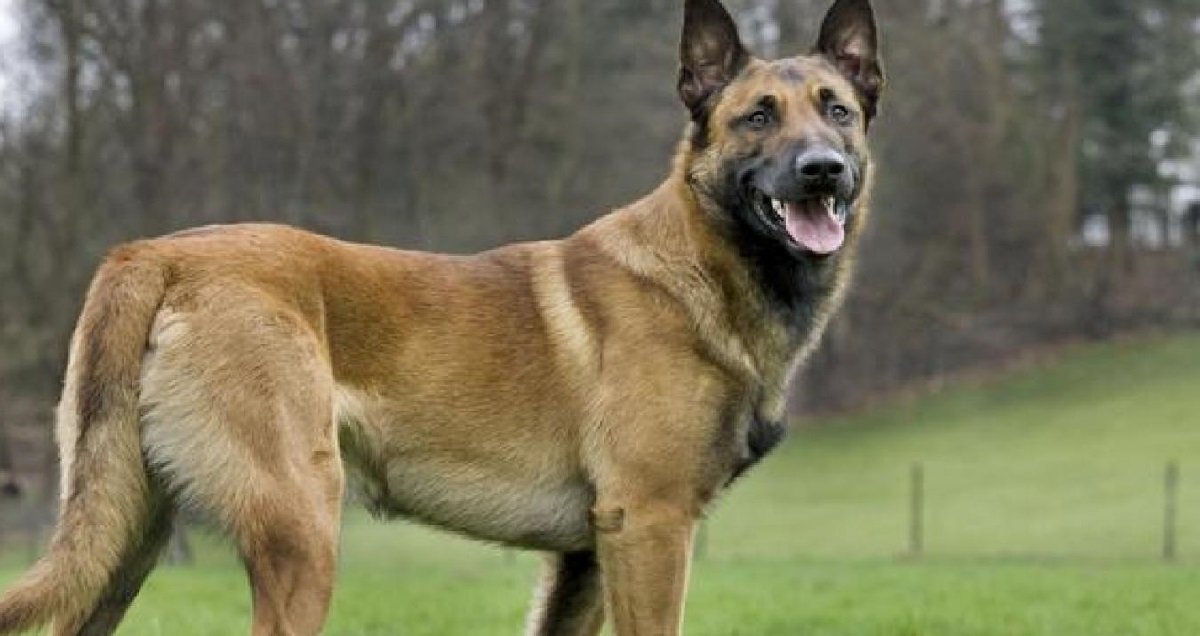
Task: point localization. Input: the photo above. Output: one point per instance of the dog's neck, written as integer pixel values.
(692, 249)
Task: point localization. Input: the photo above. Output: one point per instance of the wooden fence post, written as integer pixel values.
(1170, 510)
(916, 510)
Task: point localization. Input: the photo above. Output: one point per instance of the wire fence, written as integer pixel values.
(1170, 519)
(920, 507)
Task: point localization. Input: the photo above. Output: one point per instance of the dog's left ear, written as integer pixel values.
(710, 54)
(850, 40)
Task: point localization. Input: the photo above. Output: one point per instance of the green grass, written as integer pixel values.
(785, 597)
(1044, 518)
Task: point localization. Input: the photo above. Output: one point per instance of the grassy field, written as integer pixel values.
(1044, 518)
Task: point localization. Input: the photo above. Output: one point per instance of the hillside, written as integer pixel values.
(1064, 459)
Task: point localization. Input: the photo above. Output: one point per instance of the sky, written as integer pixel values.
(8, 51)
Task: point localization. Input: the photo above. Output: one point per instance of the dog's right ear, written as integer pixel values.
(711, 53)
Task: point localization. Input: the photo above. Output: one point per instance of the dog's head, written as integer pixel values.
(778, 148)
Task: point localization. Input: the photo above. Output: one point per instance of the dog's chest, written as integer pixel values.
(758, 439)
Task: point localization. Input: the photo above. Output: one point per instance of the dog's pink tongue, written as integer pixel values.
(814, 227)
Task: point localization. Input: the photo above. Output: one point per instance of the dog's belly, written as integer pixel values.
(531, 512)
(512, 489)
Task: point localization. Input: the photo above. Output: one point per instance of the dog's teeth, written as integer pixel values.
(778, 206)
(838, 212)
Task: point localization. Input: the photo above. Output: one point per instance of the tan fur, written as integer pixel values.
(585, 397)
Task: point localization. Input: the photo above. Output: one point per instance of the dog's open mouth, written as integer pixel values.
(815, 224)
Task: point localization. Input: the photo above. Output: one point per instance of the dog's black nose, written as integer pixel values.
(820, 166)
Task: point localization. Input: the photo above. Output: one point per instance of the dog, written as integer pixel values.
(586, 398)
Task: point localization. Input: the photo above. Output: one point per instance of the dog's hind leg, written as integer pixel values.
(290, 549)
(279, 497)
(569, 600)
(240, 423)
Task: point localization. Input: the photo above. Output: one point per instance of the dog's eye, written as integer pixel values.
(759, 119)
(840, 114)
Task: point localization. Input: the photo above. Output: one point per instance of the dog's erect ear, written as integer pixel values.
(711, 53)
(850, 40)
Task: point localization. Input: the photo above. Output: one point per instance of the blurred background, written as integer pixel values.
(1039, 191)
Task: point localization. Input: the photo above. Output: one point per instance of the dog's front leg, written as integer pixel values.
(644, 550)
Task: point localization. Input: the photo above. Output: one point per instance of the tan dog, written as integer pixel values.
(585, 397)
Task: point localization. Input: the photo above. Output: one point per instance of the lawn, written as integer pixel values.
(1044, 517)
(759, 597)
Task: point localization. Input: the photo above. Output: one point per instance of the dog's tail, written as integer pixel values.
(105, 495)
